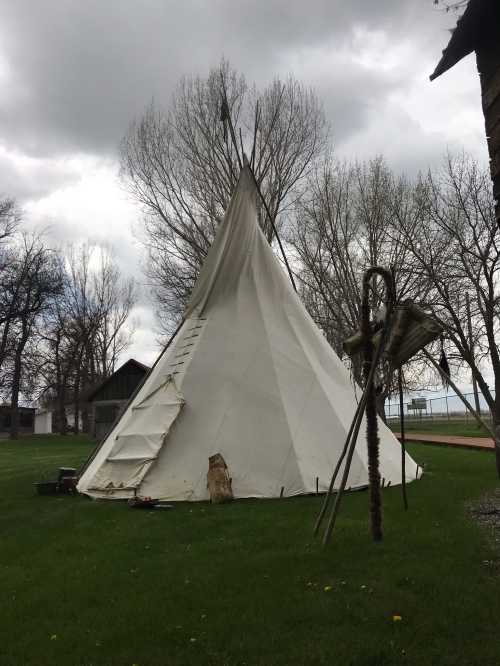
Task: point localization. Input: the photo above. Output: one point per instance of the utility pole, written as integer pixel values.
(471, 345)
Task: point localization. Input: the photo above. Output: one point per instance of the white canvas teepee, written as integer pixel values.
(250, 376)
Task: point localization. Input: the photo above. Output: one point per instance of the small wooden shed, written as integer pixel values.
(107, 400)
(26, 419)
(478, 30)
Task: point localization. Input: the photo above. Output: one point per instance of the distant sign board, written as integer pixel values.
(418, 404)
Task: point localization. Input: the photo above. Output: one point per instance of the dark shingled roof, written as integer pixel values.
(478, 23)
(131, 361)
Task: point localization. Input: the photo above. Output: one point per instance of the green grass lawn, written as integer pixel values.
(96, 583)
(459, 428)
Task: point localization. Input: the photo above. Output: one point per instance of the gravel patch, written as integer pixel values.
(485, 511)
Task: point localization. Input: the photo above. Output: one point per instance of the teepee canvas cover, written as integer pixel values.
(249, 376)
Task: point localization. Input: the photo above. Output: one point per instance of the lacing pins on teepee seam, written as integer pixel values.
(191, 337)
(180, 354)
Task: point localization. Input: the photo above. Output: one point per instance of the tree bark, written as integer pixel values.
(61, 426)
(380, 402)
(14, 400)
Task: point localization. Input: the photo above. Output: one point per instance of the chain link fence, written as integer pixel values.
(447, 407)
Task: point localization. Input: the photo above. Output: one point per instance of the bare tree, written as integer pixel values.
(84, 316)
(115, 297)
(10, 219)
(86, 330)
(455, 246)
(342, 228)
(181, 166)
(58, 366)
(21, 263)
(10, 279)
(34, 278)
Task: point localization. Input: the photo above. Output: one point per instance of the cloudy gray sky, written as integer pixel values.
(74, 74)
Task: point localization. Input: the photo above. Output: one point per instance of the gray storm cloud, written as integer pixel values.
(73, 75)
(76, 73)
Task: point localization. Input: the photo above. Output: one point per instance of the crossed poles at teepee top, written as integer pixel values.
(243, 162)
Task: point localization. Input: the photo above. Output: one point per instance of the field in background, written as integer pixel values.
(90, 583)
(456, 427)
(438, 411)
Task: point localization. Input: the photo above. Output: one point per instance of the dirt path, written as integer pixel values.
(450, 440)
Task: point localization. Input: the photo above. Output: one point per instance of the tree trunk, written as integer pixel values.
(495, 414)
(76, 408)
(477, 404)
(14, 401)
(380, 402)
(85, 418)
(61, 425)
(16, 379)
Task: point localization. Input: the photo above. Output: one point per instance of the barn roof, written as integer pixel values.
(130, 363)
(478, 23)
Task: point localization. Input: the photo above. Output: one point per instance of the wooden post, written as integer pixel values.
(372, 436)
(353, 433)
(352, 436)
(403, 440)
(336, 506)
